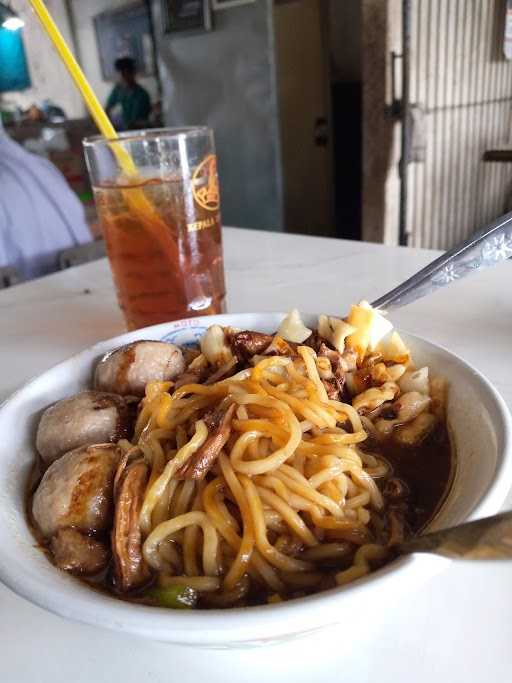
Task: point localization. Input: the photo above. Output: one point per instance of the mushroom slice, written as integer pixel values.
(130, 568)
(77, 553)
(219, 427)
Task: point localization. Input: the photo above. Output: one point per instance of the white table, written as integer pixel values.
(458, 628)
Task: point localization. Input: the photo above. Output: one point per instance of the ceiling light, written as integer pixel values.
(9, 19)
(13, 23)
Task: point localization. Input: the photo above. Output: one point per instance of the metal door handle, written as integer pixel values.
(321, 132)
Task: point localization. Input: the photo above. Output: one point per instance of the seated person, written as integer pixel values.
(128, 96)
(39, 214)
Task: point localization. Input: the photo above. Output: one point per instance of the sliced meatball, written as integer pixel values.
(77, 491)
(128, 369)
(77, 553)
(82, 420)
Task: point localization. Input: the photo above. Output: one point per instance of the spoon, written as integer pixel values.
(489, 538)
(485, 248)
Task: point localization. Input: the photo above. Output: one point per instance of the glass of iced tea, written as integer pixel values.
(157, 197)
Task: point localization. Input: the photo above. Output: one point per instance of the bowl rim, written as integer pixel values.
(214, 624)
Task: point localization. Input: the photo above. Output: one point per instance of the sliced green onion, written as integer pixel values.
(175, 597)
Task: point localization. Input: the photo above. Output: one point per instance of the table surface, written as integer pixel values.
(457, 628)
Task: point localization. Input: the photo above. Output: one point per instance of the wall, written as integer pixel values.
(226, 79)
(381, 152)
(49, 77)
(83, 14)
(464, 83)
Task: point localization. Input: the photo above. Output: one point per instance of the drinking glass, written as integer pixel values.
(157, 198)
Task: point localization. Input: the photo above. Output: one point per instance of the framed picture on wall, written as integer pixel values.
(125, 32)
(227, 4)
(186, 16)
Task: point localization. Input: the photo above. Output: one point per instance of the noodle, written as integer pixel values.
(288, 515)
(157, 489)
(191, 541)
(165, 529)
(286, 504)
(361, 566)
(308, 356)
(275, 558)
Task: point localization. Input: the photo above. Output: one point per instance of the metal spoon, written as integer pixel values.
(489, 538)
(485, 248)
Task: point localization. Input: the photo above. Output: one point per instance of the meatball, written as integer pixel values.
(82, 420)
(77, 553)
(128, 369)
(77, 491)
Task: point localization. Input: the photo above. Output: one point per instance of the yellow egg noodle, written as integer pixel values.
(286, 508)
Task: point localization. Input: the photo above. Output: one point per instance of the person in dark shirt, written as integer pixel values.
(132, 99)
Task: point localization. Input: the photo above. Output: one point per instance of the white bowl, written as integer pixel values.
(481, 429)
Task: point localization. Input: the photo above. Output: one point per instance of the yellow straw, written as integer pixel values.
(135, 199)
(97, 112)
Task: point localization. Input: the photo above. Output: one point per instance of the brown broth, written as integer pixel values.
(427, 470)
